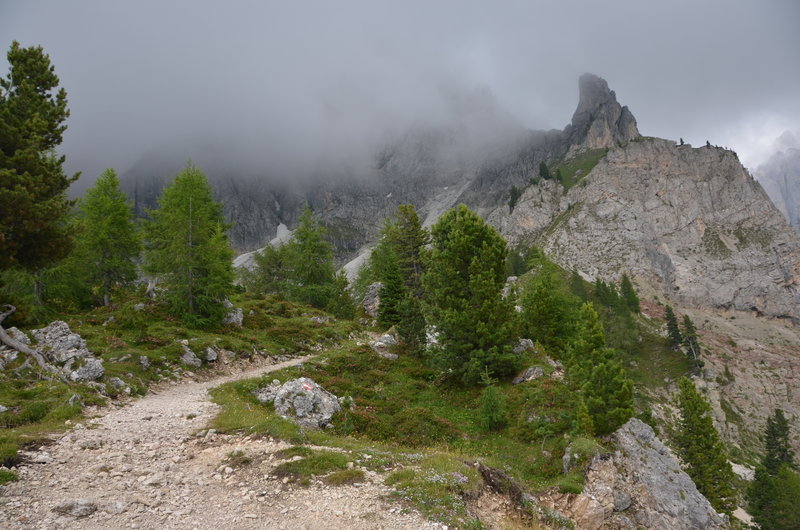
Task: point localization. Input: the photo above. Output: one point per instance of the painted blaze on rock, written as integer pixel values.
(305, 402)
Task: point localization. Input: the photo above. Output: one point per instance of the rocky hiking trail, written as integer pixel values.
(142, 465)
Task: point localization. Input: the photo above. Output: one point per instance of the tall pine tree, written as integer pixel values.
(34, 231)
(773, 495)
(108, 241)
(547, 313)
(33, 202)
(463, 285)
(691, 343)
(628, 294)
(596, 372)
(186, 247)
(673, 331)
(702, 450)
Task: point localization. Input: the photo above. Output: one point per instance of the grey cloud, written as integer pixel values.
(280, 85)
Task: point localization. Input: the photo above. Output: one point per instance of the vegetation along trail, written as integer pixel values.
(143, 465)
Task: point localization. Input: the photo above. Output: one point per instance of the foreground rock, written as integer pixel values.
(372, 300)
(640, 485)
(305, 402)
(383, 345)
(58, 344)
(62, 349)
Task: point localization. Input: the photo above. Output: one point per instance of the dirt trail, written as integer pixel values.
(141, 466)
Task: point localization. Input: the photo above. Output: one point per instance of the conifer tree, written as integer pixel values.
(109, 241)
(544, 171)
(409, 240)
(463, 285)
(607, 391)
(773, 494)
(702, 450)
(691, 344)
(34, 232)
(187, 248)
(309, 263)
(628, 294)
(33, 202)
(589, 335)
(411, 324)
(546, 313)
(269, 274)
(595, 371)
(673, 331)
(392, 293)
(776, 440)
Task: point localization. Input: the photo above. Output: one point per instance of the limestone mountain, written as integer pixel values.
(690, 221)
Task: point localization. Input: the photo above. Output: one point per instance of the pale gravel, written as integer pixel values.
(149, 470)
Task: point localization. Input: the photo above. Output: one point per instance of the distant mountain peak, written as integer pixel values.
(599, 121)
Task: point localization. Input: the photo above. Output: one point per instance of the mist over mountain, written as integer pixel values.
(780, 176)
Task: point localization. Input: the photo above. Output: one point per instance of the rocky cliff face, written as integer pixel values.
(691, 221)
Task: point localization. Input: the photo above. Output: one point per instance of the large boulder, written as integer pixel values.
(189, 357)
(266, 394)
(640, 485)
(372, 300)
(91, 370)
(305, 402)
(16, 334)
(59, 344)
(235, 315)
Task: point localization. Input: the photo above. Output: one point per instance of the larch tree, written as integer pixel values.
(701, 449)
(673, 331)
(34, 232)
(628, 294)
(108, 241)
(463, 286)
(187, 248)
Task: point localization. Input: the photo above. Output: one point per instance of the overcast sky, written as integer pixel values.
(293, 79)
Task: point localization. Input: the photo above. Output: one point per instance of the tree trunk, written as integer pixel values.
(11, 342)
(106, 292)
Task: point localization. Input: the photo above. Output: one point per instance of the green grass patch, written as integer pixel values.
(7, 476)
(344, 476)
(317, 463)
(438, 486)
(237, 458)
(574, 169)
(297, 450)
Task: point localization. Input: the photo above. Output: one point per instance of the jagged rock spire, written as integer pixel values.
(599, 121)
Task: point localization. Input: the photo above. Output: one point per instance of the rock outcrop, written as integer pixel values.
(65, 350)
(599, 121)
(306, 403)
(640, 485)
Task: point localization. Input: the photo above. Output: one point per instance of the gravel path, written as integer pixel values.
(141, 466)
